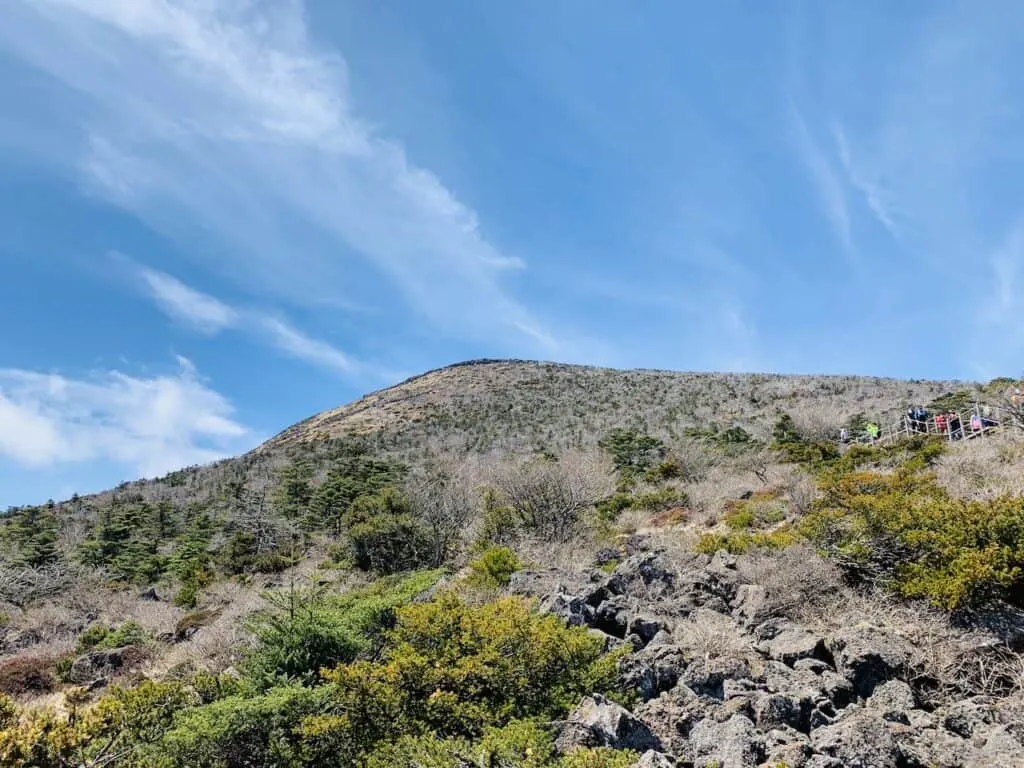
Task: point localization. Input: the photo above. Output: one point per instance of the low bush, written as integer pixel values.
(739, 542)
(450, 681)
(384, 536)
(23, 675)
(494, 568)
(306, 630)
(101, 637)
(905, 530)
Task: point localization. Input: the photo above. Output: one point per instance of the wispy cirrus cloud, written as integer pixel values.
(210, 315)
(293, 342)
(225, 117)
(876, 196)
(827, 182)
(150, 424)
(204, 313)
(931, 143)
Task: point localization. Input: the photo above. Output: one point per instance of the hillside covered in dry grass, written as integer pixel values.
(525, 564)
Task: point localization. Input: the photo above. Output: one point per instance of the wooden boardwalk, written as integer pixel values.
(978, 422)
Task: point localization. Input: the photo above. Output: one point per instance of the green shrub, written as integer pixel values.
(455, 670)
(661, 499)
(100, 637)
(739, 542)
(240, 731)
(500, 524)
(632, 451)
(306, 630)
(92, 636)
(755, 513)
(609, 509)
(601, 757)
(905, 529)
(670, 469)
(494, 568)
(384, 536)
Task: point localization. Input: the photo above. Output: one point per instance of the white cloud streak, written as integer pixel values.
(224, 116)
(296, 344)
(204, 313)
(210, 315)
(827, 183)
(152, 425)
(877, 198)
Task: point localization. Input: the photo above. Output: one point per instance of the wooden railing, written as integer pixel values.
(978, 422)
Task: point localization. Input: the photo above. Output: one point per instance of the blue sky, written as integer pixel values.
(221, 216)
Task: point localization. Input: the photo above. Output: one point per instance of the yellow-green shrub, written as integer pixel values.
(450, 679)
(494, 568)
(906, 529)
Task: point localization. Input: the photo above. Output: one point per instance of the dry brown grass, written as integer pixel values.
(948, 661)
(798, 581)
(219, 644)
(984, 468)
(710, 635)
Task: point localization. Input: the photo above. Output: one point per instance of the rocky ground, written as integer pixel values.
(728, 680)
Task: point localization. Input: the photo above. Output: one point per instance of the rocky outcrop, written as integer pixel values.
(777, 693)
(598, 722)
(101, 665)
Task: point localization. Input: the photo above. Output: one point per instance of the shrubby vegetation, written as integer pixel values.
(893, 525)
(379, 676)
(444, 681)
(903, 529)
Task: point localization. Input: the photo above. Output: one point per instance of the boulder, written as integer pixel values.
(793, 644)
(750, 605)
(817, 666)
(673, 715)
(859, 740)
(893, 700)
(606, 556)
(868, 657)
(732, 744)
(652, 759)
(706, 678)
(612, 616)
(598, 722)
(662, 638)
(1000, 747)
(646, 626)
(775, 710)
(827, 687)
(102, 664)
(644, 575)
(652, 671)
(966, 717)
(786, 747)
(573, 610)
(720, 577)
(540, 583)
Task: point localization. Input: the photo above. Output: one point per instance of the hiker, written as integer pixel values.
(940, 423)
(986, 417)
(955, 428)
(872, 430)
(976, 425)
(844, 435)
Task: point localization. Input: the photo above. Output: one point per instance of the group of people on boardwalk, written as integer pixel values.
(918, 420)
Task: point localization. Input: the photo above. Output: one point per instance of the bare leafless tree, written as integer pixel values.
(550, 497)
(444, 500)
(23, 585)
